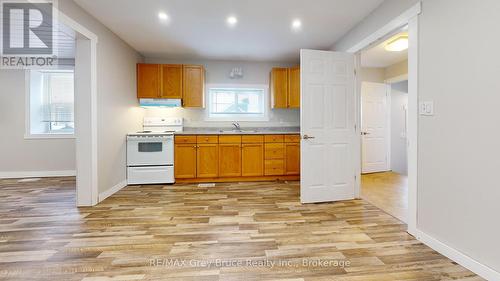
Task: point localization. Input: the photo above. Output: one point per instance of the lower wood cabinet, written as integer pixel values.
(235, 157)
(207, 160)
(292, 158)
(185, 161)
(252, 159)
(229, 160)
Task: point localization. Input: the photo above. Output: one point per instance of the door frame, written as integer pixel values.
(85, 128)
(388, 112)
(408, 18)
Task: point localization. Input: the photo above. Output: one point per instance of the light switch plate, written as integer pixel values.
(426, 108)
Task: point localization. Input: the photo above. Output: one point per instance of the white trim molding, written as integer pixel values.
(87, 194)
(112, 190)
(459, 257)
(394, 24)
(37, 174)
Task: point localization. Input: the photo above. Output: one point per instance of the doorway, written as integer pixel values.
(384, 124)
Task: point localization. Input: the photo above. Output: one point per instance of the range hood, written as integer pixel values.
(159, 103)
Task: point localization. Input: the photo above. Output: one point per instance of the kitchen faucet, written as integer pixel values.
(237, 126)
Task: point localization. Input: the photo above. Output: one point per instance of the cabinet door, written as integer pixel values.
(279, 87)
(294, 87)
(292, 158)
(148, 81)
(185, 161)
(193, 86)
(171, 81)
(252, 160)
(230, 160)
(207, 161)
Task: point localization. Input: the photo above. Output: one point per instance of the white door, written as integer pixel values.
(374, 128)
(327, 126)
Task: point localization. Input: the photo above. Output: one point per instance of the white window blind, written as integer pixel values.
(51, 102)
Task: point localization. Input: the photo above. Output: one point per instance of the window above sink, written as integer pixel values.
(237, 103)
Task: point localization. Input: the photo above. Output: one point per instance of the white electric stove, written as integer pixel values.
(150, 153)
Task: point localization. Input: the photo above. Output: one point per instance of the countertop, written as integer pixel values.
(244, 131)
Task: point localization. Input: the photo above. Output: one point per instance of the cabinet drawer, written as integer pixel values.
(252, 139)
(292, 138)
(185, 139)
(230, 139)
(274, 151)
(273, 138)
(274, 167)
(207, 139)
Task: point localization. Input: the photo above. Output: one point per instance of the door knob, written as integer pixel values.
(364, 133)
(306, 137)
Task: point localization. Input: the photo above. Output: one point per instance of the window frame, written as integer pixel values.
(27, 110)
(238, 117)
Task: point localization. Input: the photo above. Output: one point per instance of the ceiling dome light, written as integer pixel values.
(162, 16)
(231, 21)
(397, 44)
(296, 24)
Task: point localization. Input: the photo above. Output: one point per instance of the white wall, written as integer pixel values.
(217, 72)
(399, 101)
(372, 74)
(458, 147)
(18, 154)
(117, 111)
(387, 11)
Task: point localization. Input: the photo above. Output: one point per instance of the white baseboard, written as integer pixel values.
(462, 259)
(36, 174)
(112, 190)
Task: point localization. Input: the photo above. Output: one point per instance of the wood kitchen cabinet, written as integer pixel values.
(171, 81)
(219, 158)
(285, 87)
(207, 160)
(148, 81)
(185, 161)
(294, 87)
(229, 159)
(292, 158)
(193, 86)
(252, 159)
(279, 87)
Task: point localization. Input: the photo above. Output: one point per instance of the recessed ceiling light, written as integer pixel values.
(232, 21)
(397, 44)
(296, 24)
(162, 16)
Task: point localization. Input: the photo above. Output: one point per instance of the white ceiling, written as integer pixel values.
(379, 57)
(197, 28)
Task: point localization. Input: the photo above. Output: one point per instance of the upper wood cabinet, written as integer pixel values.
(193, 86)
(171, 81)
(148, 81)
(279, 87)
(285, 87)
(294, 87)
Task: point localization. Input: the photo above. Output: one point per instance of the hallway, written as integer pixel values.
(387, 191)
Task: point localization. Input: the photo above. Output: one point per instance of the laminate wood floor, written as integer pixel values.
(387, 191)
(247, 231)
